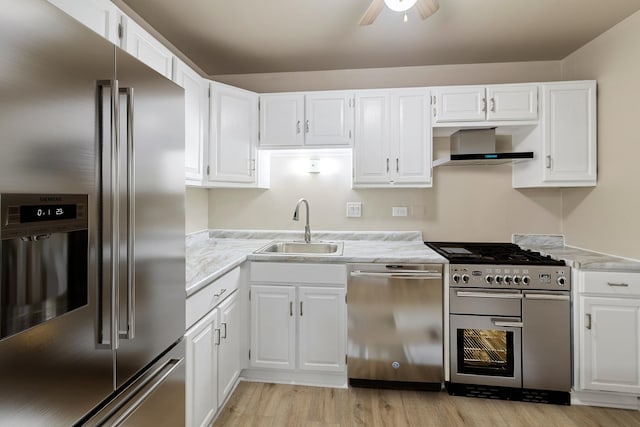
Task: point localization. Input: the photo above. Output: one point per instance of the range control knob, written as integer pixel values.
(561, 281)
(498, 279)
(488, 278)
(516, 280)
(465, 278)
(507, 280)
(456, 278)
(526, 280)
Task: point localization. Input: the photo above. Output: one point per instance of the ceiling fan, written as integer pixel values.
(425, 8)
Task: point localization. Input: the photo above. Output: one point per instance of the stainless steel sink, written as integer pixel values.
(302, 248)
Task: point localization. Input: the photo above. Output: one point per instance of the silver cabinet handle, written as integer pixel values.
(224, 334)
(548, 162)
(618, 284)
(493, 105)
(588, 321)
(484, 104)
(298, 127)
(397, 164)
(222, 291)
(291, 308)
(547, 297)
(498, 295)
(507, 323)
(387, 164)
(129, 333)
(217, 337)
(300, 308)
(306, 126)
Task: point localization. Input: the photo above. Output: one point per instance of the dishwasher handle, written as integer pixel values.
(399, 274)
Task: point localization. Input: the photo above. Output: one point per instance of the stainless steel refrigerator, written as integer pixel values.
(92, 209)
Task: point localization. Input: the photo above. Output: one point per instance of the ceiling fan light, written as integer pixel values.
(400, 5)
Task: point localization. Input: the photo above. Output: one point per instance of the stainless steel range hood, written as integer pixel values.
(478, 147)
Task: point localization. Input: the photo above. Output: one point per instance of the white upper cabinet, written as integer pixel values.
(313, 119)
(564, 142)
(196, 112)
(282, 120)
(485, 103)
(393, 145)
(233, 135)
(101, 16)
(146, 48)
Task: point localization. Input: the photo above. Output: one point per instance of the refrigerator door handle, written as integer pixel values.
(129, 332)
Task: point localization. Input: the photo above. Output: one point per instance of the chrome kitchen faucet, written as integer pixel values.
(307, 229)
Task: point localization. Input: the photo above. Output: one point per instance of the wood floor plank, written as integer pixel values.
(277, 405)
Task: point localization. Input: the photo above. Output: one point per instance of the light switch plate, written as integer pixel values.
(399, 211)
(354, 209)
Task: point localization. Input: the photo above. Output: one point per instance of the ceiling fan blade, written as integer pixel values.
(426, 8)
(372, 12)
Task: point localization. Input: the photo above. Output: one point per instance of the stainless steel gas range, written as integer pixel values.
(509, 322)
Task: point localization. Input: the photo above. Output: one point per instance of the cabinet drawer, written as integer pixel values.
(203, 301)
(607, 282)
(277, 272)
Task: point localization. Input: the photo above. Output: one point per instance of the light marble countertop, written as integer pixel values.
(211, 254)
(554, 246)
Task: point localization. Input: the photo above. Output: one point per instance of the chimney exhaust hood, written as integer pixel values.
(478, 147)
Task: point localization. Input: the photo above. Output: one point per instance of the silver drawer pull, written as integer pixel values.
(222, 291)
(618, 284)
(488, 295)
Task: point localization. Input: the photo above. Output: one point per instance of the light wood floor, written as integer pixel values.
(275, 405)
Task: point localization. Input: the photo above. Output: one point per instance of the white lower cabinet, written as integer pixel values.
(607, 338)
(213, 344)
(298, 323)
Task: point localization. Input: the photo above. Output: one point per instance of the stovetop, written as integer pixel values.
(490, 253)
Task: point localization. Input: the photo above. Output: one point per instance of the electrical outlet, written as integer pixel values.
(354, 209)
(399, 211)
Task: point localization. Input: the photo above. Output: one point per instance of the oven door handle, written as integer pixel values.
(498, 295)
(507, 323)
(547, 297)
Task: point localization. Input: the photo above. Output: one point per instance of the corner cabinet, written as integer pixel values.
(607, 335)
(298, 323)
(312, 119)
(393, 145)
(564, 142)
(196, 111)
(233, 124)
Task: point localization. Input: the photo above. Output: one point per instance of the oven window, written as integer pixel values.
(485, 352)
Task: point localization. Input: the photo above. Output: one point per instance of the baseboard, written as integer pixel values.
(323, 379)
(605, 399)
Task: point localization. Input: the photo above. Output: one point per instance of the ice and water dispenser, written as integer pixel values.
(44, 257)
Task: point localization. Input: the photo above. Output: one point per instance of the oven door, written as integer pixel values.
(486, 350)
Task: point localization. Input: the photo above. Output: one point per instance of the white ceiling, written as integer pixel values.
(257, 36)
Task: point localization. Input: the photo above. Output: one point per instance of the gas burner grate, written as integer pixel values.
(490, 253)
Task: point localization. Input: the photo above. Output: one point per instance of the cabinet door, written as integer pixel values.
(460, 104)
(101, 16)
(323, 328)
(229, 350)
(411, 137)
(273, 329)
(196, 106)
(146, 48)
(233, 136)
(569, 132)
(371, 154)
(328, 118)
(512, 102)
(201, 365)
(610, 350)
(281, 120)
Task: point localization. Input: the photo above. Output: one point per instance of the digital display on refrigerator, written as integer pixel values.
(35, 213)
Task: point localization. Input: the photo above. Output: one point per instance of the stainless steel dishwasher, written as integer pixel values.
(395, 332)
